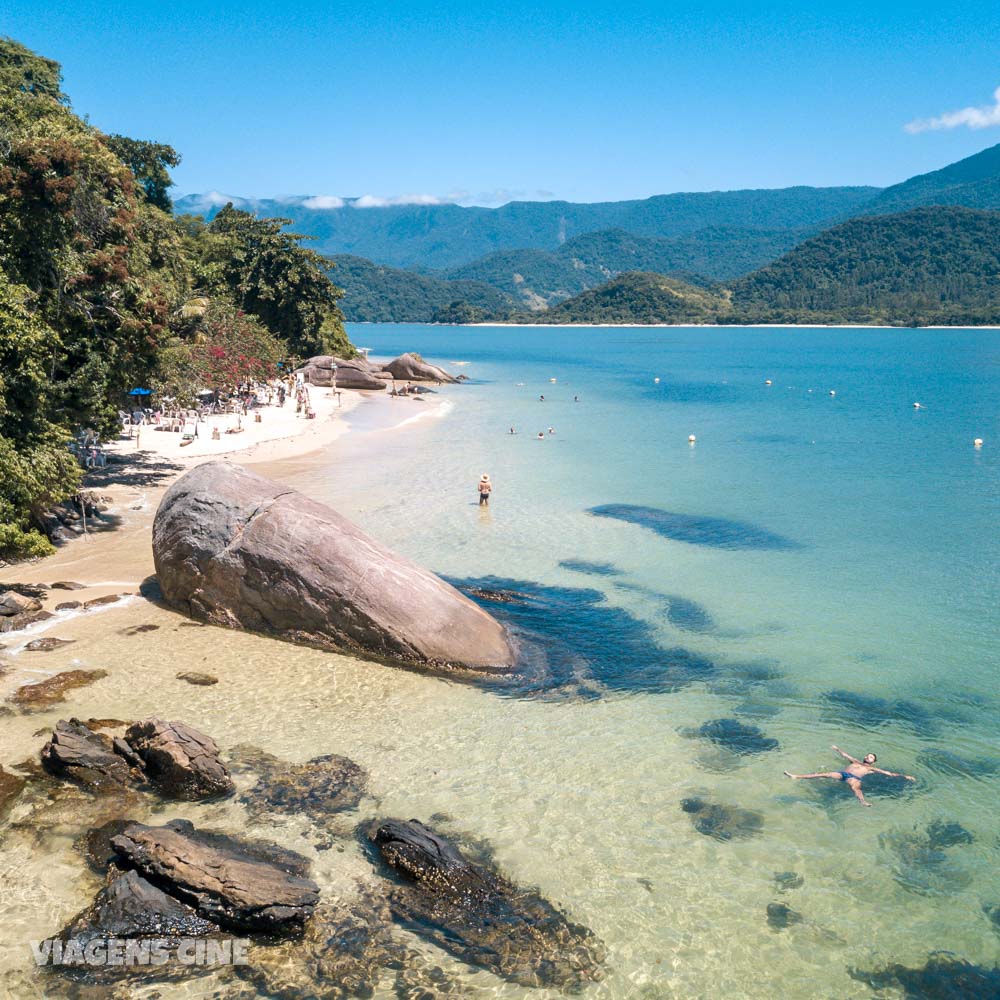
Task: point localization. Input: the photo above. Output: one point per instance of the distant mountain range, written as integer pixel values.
(440, 262)
(927, 266)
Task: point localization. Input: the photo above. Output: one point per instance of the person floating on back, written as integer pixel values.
(485, 488)
(856, 772)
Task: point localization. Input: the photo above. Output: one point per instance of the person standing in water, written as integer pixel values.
(485, 488)
(855, 773)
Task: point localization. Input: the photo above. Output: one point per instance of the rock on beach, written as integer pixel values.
(238, 550)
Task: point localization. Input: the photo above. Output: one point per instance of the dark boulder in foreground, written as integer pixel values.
(131, 907)
(473, 912)
(179, 761)
(942, 977)
(240, 885)
(238, 550)
(413, 368)
(84, 757)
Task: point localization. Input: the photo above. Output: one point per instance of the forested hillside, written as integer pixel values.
(103, 290)
(924, 266)
(377, 294)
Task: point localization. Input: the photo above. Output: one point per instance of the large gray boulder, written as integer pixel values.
(235, 549)
(413, 368)
(353, 374)
(181, 762)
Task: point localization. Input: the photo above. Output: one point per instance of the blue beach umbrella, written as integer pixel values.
(140, 392)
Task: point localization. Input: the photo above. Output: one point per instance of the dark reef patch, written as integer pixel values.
(723, 822)
(923, 860)
(572, 640)
(688, 615)
(870, 712)
(942, 977)
(735, 736)
(715, 532)
(590, 568)
(955, 766)
(780, 917)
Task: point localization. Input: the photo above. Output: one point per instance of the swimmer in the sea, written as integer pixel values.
(855, 773)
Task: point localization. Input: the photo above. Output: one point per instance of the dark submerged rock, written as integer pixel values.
(696, 530)
(470, 910)
(942, 977)
(590, 568)
(924, 862)
(723, 822)
(564, 634)
(238, 550)
(688, 615)
(181, 762)
(198, 679)
(138, 629)
(11, 786)
(735, 736)
(956, 766)
(993, 915)
(870, 712)
(52, 690)
(240, 885)
(780, 917)
(95, 844)
(84, 757)
(47, 644)
(317, 789)
(786, 881)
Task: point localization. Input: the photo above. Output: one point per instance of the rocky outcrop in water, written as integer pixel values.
(238, 550)
(13, 603)
(239, 885)
(14, 623)
(470, 910)
(353, 374)
(84, 757)
(413, 368)
(723, 822)
(179, 761)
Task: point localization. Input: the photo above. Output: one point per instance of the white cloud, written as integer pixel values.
(323, 201)
(374, 201)
(985, 116)
(216, 199)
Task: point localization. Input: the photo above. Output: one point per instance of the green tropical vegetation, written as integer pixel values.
(102, 290)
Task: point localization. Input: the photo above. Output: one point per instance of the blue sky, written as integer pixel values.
(484, 103)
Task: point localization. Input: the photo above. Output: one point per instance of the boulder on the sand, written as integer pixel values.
(99, 602)
(353, 374)
(413, 368)
(52, 690)
(238, 550)
(68, 585)
(84, 757)
(197, 678)
(179, 761)
(68, 605)
(475, 913)
(13, 603)
(240, 885)
(13, 623)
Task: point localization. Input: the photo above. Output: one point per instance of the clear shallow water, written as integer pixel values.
(877, 629)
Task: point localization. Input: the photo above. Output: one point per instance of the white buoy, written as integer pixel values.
(552, 380)
(833, 392)
(656, 380)
(917, 406)
(978, 443)
(691, 439)
(767, 381)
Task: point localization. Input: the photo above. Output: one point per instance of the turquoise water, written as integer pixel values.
(875, 629)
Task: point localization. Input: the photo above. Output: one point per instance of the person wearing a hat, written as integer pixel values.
(485, 487)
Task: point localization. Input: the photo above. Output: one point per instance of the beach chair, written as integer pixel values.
(189, 433)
